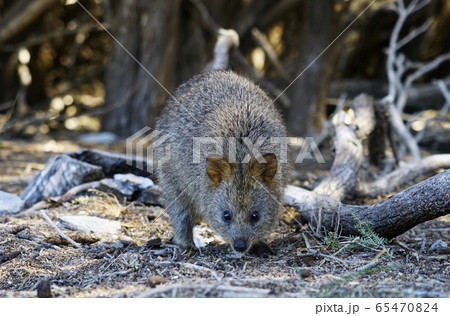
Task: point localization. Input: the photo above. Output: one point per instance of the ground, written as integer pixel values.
(141, 261)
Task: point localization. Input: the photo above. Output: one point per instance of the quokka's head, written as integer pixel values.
(244, 199)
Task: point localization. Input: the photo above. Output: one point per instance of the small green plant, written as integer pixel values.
(333, 240)
(5, 127)
(367, 239)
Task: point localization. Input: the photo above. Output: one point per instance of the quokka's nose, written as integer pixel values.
(240, 245)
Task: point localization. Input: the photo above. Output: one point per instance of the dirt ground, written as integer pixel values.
(140, 261)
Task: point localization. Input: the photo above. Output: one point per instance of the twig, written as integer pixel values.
(427, 67)
(308, 245)
(347, 245)
(79, 188)
(413, 34)
(15, 24)
(401, 130)
(60, 233)
(206, 18)
(445, 93)
(33, 209)
(406, 248)
(36, 40)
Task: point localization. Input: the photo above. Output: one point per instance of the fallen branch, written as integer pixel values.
(60, 233)
(424, 201)
(348, 149)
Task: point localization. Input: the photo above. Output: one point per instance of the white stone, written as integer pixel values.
(10, 203)
(92, 224)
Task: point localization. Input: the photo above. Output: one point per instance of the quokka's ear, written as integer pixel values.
(217, 169)
(264, 171)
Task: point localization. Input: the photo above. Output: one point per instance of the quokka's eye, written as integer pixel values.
(254, 217)
(226, 216)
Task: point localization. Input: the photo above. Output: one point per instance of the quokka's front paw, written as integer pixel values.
(184, 245)
(261, 250)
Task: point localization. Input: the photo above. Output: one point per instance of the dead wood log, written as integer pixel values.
(66, 171)
(348, 149)
(323, 209)
(424, 201)
(348, 157)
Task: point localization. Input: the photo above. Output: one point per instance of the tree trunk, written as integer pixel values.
(309, 90)
(148, 30)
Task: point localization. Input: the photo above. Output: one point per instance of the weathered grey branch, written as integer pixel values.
(426, 68)
(326, 127)
(397, 65)
(400, 128)
(444, 91)
(349, 150)
(322, 207)
(413, 34)
(424, 201)
(226, 40)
